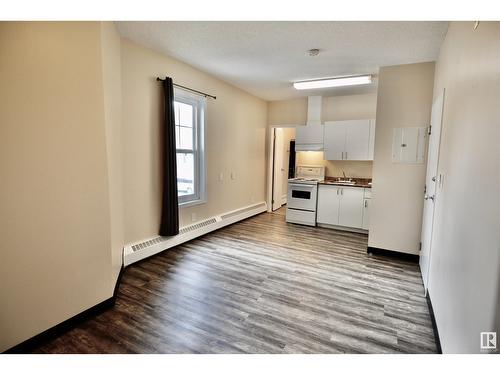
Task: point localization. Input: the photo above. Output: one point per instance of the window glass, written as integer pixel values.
(189, 112)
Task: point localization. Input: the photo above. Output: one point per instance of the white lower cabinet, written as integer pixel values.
(351, 207)
(341, 205)
(328, 204)
(366, 214)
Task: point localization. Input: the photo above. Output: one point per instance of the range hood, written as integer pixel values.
(314, 105)
(310, 136)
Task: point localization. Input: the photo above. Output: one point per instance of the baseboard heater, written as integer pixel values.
(137, 251)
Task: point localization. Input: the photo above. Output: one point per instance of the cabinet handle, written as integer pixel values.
(341, 191)
(337, 191)
(366, 203)
(346, 155)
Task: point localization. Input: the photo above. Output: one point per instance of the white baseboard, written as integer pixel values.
(345, 229)
(137, 251)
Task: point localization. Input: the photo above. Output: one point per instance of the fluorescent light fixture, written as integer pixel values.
(333, 82)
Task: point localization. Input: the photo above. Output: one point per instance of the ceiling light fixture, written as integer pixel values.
(333, 82)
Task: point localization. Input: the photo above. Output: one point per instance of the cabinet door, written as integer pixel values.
(334, 140)
(366, 214)
(351, 207)
(357, 143)
(328, 204)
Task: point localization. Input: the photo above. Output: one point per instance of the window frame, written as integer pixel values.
(198, 102)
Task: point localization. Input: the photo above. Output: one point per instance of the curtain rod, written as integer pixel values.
(190, 89)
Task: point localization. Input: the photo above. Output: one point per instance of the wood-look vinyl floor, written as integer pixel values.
(262, 286)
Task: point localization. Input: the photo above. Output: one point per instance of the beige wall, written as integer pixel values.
(465, 259)
(287, 112)
(335, 108)
(404, 100)
(349, 107)
(335, 168)
(111, 72)
(234, 141)
(54, 205)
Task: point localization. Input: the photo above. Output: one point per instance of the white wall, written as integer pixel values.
(404, 100)
(465, 260)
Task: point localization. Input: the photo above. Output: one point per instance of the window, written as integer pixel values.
(189, 123)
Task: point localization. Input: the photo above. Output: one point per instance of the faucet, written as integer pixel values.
(345, 177)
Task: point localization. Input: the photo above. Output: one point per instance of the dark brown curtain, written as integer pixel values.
(170, 208)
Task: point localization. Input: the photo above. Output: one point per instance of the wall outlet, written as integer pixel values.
(221, 177)
(233, 175)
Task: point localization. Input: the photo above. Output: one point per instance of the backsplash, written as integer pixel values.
(361, 169)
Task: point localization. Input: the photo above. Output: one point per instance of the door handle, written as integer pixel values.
(366, 203)
(431, 197)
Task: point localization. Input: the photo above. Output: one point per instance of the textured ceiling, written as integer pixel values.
(264, 58)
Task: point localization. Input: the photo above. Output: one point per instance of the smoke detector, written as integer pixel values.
(313, 52)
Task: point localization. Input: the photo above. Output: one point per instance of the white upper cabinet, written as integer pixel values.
(334, 141)
(349, 140)
(309, 138)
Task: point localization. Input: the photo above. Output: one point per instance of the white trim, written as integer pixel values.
(345, 229)
(270, 149)
(130, 256)
(283, 199)
(199, 103)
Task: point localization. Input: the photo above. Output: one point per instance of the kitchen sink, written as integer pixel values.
(342, 182)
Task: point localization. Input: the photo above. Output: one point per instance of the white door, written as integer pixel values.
(357, 142)
(351, 207)
(328, 204)
(334, 140)
(430, 184)
(278, 168)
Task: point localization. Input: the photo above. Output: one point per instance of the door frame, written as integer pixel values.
(425, 279)
(270, 164)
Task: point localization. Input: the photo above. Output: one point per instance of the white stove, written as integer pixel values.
(300, 180)
(302, 194)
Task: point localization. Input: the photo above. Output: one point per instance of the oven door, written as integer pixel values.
(301, 196)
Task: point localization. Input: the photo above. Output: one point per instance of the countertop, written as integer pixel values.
(358, 182)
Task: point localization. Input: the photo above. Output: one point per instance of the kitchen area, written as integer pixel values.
(329, 170)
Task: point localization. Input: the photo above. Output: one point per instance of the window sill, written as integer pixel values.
(192, 203)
